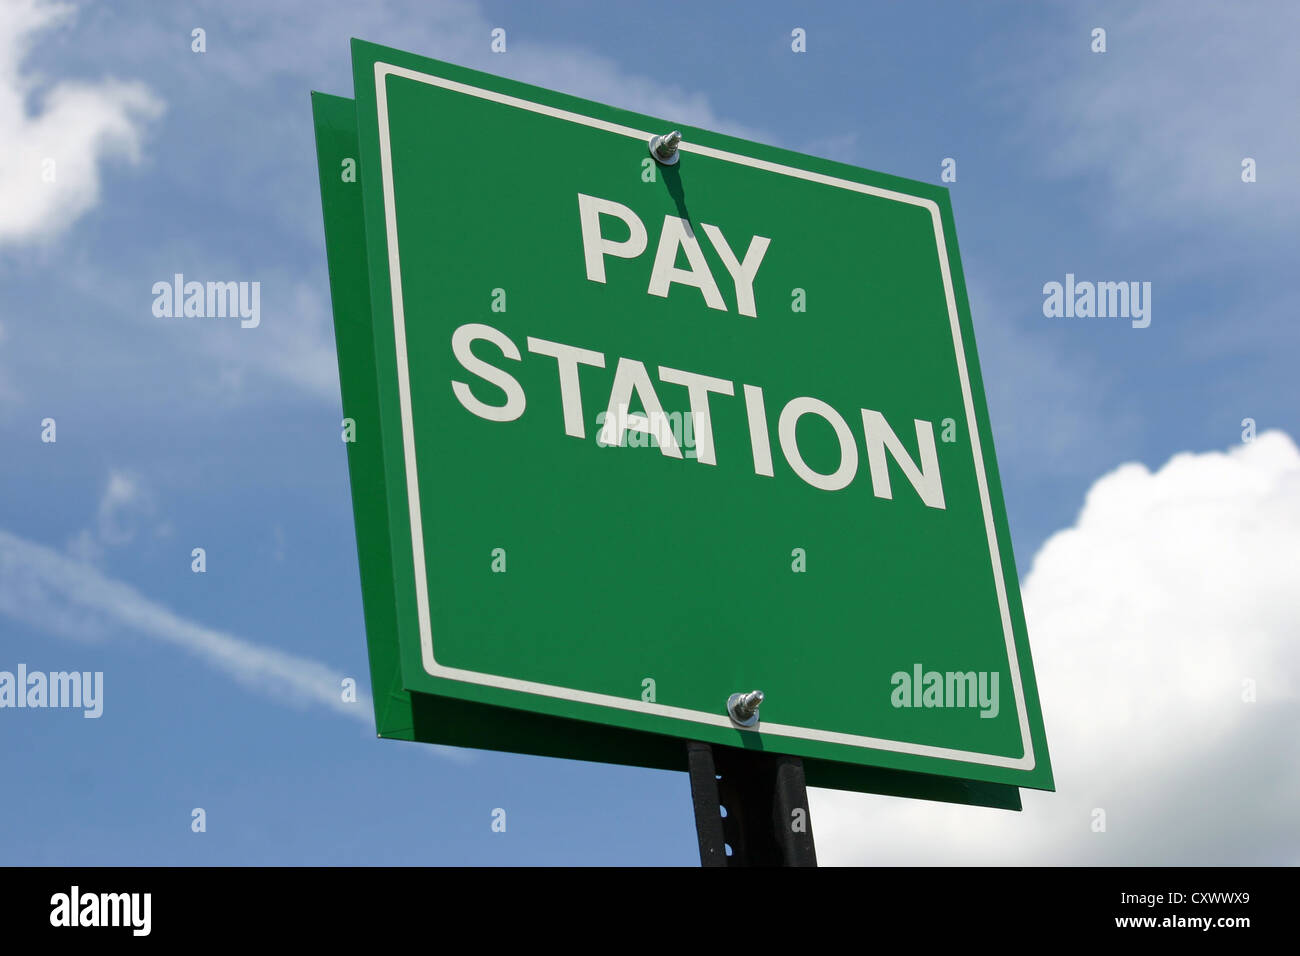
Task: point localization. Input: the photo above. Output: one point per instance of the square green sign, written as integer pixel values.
(449, 721)
(656, 434)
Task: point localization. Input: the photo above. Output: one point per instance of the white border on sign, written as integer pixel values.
(383, 70)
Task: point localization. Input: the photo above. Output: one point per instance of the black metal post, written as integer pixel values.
(765, 800)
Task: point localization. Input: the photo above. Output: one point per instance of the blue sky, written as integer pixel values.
(1122, 166)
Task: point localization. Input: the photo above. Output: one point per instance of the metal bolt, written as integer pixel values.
(743, 708)
(664, 148)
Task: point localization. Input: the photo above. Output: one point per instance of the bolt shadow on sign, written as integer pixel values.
(633, 438)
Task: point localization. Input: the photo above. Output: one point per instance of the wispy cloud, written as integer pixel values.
(1163, 118)
(124, 503)
(55, 593)
(73, 599)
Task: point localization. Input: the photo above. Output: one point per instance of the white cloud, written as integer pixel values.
(75, 127)
(1145, 617)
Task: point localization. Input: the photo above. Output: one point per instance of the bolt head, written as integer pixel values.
(664, 148)
(743, 708)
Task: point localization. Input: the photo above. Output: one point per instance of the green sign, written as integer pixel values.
(632, 438)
